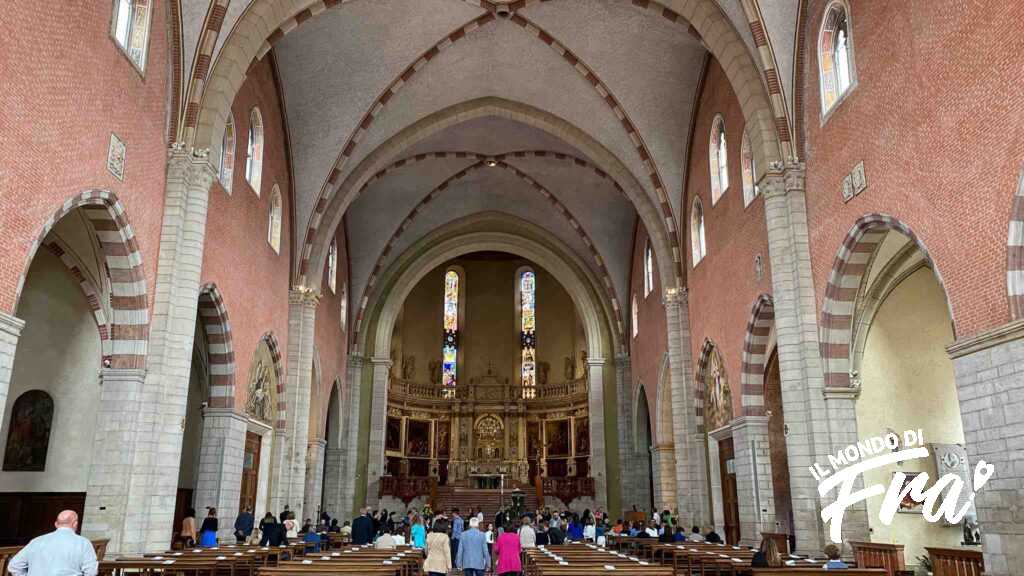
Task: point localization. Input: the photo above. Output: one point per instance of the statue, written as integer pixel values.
(408, 367)
(542, 373)
(569, 371)
(434, 366)
(583, 364)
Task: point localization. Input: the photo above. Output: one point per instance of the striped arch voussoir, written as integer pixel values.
(1015, 253)
(699, 387)
(214, 317)
(755, 355)
(848, 269)
(129, 304)
(275, 356)
(93, 294)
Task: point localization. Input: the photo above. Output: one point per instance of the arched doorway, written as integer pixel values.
(643, 442)
(778, 454)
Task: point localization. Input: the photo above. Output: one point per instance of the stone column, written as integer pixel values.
(715, 477)
(106, 502)
(302, 303)
(990, 386)
(314, 478)
(219, 483)
(160, 413)
(814, 428)
(333, 498)
(664, 466)
(10, 332)
(598, 462)
(627, 451)
(691, 476)
(350, 447)
(378, 419)
(752, 458)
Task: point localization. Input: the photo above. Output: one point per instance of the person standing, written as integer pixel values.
(188, 533)
(291, 527)
(439, 552)
(472, 556)
(61, 552)
(268, 529)
(208, 532)
(418, 532)
(508, 550)
(527, 536)
(457, 528)
(362, 529)
(244, 525)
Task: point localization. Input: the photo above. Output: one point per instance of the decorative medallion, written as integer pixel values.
(260, 404)
(115, 157)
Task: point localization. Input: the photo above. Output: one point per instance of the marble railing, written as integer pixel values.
(568, 489)
(400, 388)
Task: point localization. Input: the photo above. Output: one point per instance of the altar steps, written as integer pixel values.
(489, 501)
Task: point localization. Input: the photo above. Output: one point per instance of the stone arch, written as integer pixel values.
(93, 293)
(844, 283)
(129, 301)
(665, 421)
(282, 403)
(214, 317)
(1015, 253)
(330, 212)
(708, 349)
(640, 395)
(755, 355)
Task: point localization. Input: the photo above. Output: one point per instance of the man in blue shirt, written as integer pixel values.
(473, 558)
(59, 553)
(457, 528)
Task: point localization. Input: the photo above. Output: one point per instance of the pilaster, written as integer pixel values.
(221, 456)
(333, 497)
(595, 401)
(752, 457)
(624, 412)
(302, 303)
(663, 460)
(314, 478)
(379, 406)
(10, 332)
(349, 475)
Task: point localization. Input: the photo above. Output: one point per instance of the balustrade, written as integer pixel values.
(569, 390)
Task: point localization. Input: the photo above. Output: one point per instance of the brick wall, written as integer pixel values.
(723, 286)
(940, 135)
(330, 341)
(251, 277)
(66, 87)
(651, 343)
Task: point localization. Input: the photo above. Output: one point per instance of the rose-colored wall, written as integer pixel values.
(647, 350)
(66, 86)
(251, 277)
(330, 341)
(937, 117)
(723, 286)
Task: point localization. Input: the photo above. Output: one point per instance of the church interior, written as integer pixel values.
(617, 255)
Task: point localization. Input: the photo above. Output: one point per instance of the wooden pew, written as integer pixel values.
(793, 571)
(889, 557)
(956, 561)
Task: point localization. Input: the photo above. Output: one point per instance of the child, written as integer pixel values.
(834, 563)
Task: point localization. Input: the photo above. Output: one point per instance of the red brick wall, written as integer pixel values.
(66, 86)
(330, 341)
(938, 119)
(252, 278)
(647, 350)
(723, 286)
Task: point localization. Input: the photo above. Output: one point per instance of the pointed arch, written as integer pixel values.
(93, 293)
(755, 355)
(1015, 253)
(282, 404)
(213, 316)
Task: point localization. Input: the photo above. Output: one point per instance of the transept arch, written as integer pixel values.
(214, 317)
(755, 355)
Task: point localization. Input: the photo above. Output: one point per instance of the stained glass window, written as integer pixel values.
(450, 348)
(528, 334)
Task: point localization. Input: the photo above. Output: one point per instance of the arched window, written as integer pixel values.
(635, 316)
(835, 56)
(274, 225)
(227, 156)
(131, 29)
(332, 266)
(28, 438)
(450, 346)
(718, 156)
(648, 269)
(697, 238)
(749, 170)
(254, 151)
(528, 331)
(344, 307)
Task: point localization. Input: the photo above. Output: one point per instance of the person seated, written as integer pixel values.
(641, 530)
(542, 534)
(312, 540)
(619, 527)
(307, 527)
(385, 541)
(711, 537)
(680, 535)
(834, 561)
(695, 535)
(334, 526)
(652, 531)
(767, 556)
(398, 535)
(346, 531)
(666, 535)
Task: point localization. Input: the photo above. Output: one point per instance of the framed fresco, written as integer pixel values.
(582, 432)
(28, 439)
(444, 438)
(393, 435)
(417, 438)
(556, 433)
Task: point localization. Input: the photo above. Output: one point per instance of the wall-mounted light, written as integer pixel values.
(490, 162)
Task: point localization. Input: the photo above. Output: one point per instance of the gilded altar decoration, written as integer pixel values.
(489, 437)
(260, 404)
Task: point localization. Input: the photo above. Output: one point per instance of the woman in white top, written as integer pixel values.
(590, 531)
(291, 527)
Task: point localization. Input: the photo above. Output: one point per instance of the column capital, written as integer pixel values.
(782, 179)
(675, 295)
(11, 325)
(622, 360)
(355, 360)
(380, 361)
(193, 166)
(318, 443)
(595, 362)
(228, 413)
(841, 392)
(303, 296)
(122, 375)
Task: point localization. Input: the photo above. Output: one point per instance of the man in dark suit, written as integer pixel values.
(362, 528)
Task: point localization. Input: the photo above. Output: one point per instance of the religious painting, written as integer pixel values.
(582, 436)
(29, 436)
(718, 397)
(261, 401)
(417, 438)
(557, 433)
(533, 439)
(489, 437)
(908, 504)
(393, 435)
(444, 432)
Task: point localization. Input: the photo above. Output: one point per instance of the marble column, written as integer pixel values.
(598, 463)
(302, 304)
(378, 419)
(219, 482)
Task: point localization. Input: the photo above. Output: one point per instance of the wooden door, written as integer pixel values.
(250, 472)
(730, 503)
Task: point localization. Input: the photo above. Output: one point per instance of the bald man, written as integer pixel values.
(59, 553)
